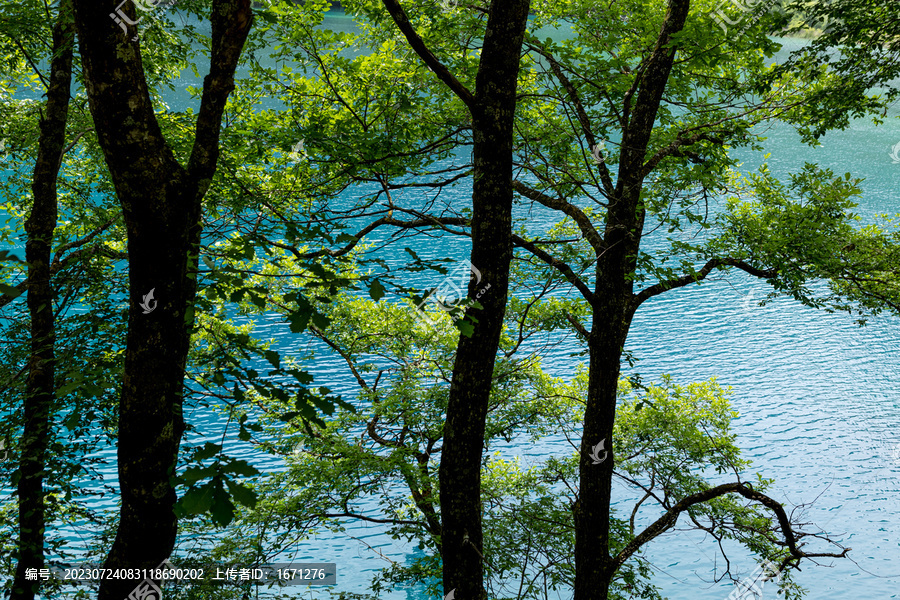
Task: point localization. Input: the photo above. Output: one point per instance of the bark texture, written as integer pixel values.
(161, 203)
(41, 388)
(492, 107)
(492, 197)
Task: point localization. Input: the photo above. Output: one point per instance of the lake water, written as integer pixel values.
(817, 395)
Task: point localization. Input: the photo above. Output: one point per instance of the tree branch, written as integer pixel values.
(231, 23)
(557, 264)
(584, 223)
(716, 263)
(399, 15)
(583, 119)
(652, 83)
(675, 149)
(84, 240)
(582, 331)
(368, 229)
(669, 519)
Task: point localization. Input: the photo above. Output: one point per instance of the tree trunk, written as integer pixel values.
(613, 310)
(492, 195)
(161, 203)
(41, 387)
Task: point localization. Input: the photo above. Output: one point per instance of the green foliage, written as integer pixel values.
(805, 231)
(379, 462)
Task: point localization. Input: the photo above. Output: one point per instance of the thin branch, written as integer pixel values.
(85, 239)
(668, 520)
(578, 326)
(676, 149)
(399, 15)
(583, 119)
(557, 264)
(31, 62)
(584, 223)
(347, 358)
(715, 263)
(424, 222)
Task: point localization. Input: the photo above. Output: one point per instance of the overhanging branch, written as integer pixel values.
(669, 519)
(425, 222)
(567, 208)
(716, 263)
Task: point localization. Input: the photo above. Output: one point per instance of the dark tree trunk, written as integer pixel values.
(492, 194)
(41, 388)
(613, 310)
(161, 203)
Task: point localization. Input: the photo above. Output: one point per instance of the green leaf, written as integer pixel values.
(274, 358)
(197, 500)
(207, 451)
(7, 256)
(195, 474)
(376, 290)
(9, 291)
(268, 17)
(240, 467)
(242, 494)
(222, 508)
(321, 321)
(299, 318)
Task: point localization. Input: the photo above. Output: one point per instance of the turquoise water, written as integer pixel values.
(817, 395)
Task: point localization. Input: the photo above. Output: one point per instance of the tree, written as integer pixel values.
(492, 108)
(644, 89)
(161, 202)
(41, 369)
(670, 105)
(377, 465)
